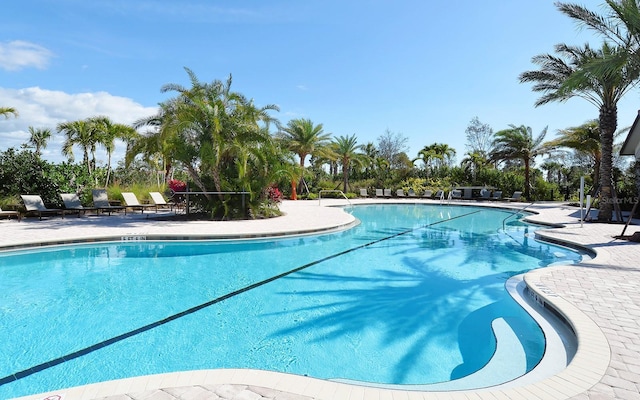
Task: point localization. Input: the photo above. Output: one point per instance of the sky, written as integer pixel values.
(419, 68)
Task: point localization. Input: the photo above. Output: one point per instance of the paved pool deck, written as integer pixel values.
(599, 298)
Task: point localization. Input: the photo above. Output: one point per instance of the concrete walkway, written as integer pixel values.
(605, 290)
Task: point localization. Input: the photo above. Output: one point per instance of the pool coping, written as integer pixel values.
(586, 369)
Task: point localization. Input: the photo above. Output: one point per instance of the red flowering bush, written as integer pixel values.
(274, 194)
(177, 186)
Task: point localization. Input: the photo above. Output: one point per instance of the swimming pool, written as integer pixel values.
(407, 297)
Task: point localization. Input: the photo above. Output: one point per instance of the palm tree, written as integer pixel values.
(6, 111)
(39, 138)
(518, 143)
(571, 74)
(210, 126)
(474, 162)
(346, 148)
(106, 134)
(584, 139)
(80, 133)
(303, 137)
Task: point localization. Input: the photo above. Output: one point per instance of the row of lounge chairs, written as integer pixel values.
(34, 205)
(485, 194)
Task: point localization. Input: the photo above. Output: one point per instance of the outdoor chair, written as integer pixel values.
(131, 201)
(427, 193)
(456, 194)
(158, 200)
(363, 193)
(101, 202)
(400, 193)
(34, 205)
(411, 192)
(517, 196)
(379, 193)
(10, 214)
(497, 195)
(387, 193)
(72, 202)
(485, 194)
(440, 195)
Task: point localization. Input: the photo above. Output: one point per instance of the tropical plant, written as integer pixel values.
(518, 143)
(600, 76)
(584, 139)
(79, 133)
(107, 132)
(304, 138)
(346, 148)
(6, 111)
(39, 138)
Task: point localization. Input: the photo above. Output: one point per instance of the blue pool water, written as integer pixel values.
(406, 297)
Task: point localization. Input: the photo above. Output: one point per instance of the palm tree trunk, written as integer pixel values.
(608, 125)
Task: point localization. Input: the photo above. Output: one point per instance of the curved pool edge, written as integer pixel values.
(585, 370)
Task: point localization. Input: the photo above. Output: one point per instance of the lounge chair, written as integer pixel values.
(387, 193)
(400, 193)
(440, 195)
(101, 202)
(131, 201)
(485, 194)
(34, 205)
(72, 202)
(427, 193)
(456, 194)
(158, 200)
(379, 193)
(412, 193)
(517, 196)
(10, 214)
(497, 195)
(363, 193)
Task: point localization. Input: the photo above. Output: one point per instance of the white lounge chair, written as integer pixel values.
(34, 205)
(379, 193)
(158, 200)
(101, 202)
(131, 201)
(427, 193)
(363, 192)
(411, 192)
(400, 193)
(387, 193)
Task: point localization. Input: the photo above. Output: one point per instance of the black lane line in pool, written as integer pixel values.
(98, 346)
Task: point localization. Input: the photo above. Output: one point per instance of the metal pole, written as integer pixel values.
(581, 201)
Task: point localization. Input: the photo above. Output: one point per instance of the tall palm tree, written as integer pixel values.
(82, 134)
(518, 143)
(106, 134)
(570, 74)
(584, 139)
(304, 138)
(346, 148)
(39, 138)
(6, 111)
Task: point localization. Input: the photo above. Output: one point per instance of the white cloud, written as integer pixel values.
(18, 54)
(41, 108)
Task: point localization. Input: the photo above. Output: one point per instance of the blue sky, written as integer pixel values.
(420, 68)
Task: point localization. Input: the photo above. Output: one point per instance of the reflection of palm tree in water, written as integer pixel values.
(424, 307)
